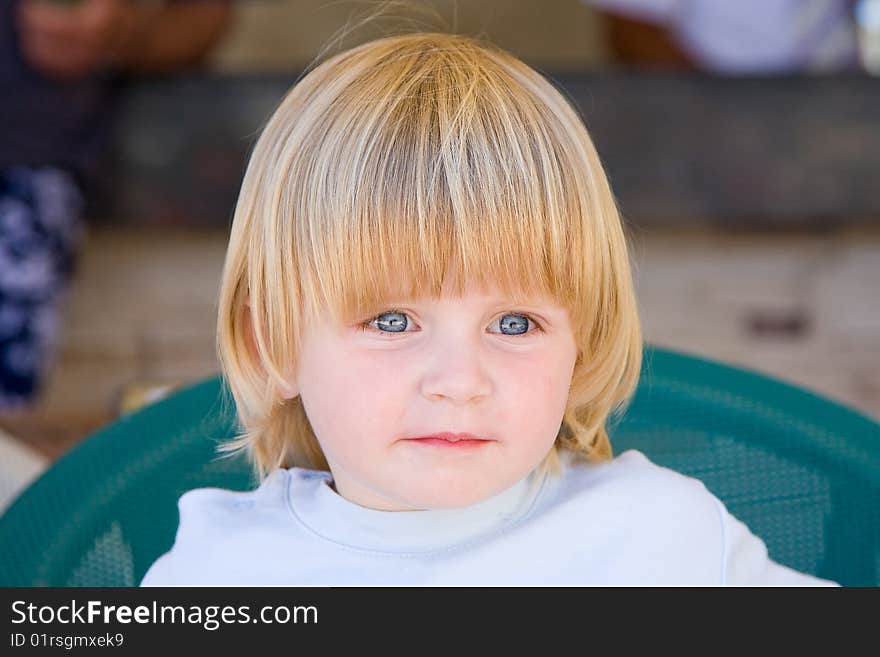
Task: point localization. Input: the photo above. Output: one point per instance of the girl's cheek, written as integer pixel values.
(377, 370)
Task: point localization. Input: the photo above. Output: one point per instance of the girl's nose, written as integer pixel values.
(457, 372)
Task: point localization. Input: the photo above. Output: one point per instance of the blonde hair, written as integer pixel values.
(436, 155)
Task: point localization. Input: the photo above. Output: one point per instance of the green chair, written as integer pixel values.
(802, 472)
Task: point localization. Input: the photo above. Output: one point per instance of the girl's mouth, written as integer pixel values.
(451, 441)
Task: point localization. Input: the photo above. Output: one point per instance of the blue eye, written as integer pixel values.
(519, 324)
(396, 321)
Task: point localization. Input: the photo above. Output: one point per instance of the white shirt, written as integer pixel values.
(754, 36)
(622, 522)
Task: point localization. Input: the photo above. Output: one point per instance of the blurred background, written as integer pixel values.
(742, 140)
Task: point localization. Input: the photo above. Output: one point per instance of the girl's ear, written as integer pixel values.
(289, 389)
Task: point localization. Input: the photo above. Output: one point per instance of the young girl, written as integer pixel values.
(426, 317)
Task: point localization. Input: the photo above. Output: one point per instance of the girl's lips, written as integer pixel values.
(451, 440)
(449, 444)
(451, 437)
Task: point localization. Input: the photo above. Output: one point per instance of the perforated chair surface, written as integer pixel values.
(802, 472)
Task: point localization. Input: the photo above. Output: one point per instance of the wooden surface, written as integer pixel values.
(804, 308)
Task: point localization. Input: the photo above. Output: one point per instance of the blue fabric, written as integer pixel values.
(40, 229)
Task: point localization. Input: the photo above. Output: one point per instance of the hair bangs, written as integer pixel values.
(430, 189)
